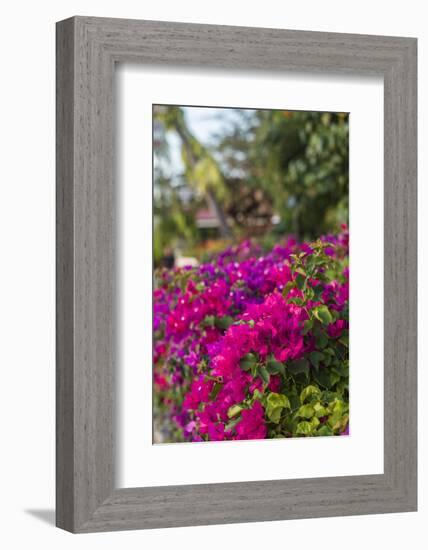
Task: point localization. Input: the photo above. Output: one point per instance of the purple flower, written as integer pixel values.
(335, 329)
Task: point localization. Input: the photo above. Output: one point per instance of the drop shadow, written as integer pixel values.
(47, 515)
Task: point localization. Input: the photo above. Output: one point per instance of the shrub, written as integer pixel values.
(254, 345)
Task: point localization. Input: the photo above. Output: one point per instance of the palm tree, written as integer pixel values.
(202, 171)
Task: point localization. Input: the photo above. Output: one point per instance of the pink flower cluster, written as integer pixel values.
(243, 305)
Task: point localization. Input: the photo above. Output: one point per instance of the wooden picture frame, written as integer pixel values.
(87, 50)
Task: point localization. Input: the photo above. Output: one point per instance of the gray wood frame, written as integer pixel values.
(87, 50)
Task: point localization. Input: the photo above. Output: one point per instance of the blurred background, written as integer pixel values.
(223, 174)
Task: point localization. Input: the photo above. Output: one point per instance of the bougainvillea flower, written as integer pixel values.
(239, 339)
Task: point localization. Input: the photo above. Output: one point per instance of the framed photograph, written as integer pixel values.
(236, 274)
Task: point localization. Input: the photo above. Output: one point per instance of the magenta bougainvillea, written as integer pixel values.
(254, 344)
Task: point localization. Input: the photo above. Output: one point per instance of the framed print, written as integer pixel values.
(236, 274)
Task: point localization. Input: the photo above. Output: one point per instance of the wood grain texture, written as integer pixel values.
(87, 50)
(64, 276)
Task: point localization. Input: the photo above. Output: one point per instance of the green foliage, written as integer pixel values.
(301, 159)
(234, 410)
(309, 393)
(248, 361)
(275, 404)
(323, 314)
(316, 387)
(274, 366)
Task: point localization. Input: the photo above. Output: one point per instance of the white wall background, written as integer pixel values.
(27, 271)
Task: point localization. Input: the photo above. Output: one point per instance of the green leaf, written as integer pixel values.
(309, 293)
(264, 375)
(294, 398)
(234, 410)
(223, 323)
(342, 369)
(248, 361)
(315, 358)
(299, 366)
(209, 321)
(297, 301)
(305, 411)
(318, 290)
(275, 367)
(334, 377)
(327, 358)
(304, 428)
(253, 369)
(275, 404)
(315, 422)
(323, 314)
(301, 281)
(214, 392)
(324, 430)
(278, 400)
(274, 415)
(336, 406)
(320, 410)
(287, 288)
(230, 425)
(309, 392)
(321, 340)
(325, 378)
(344, 340)
(328, 396)
(307, 326)
(300, 271)
(338, 418)
(257, 394)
